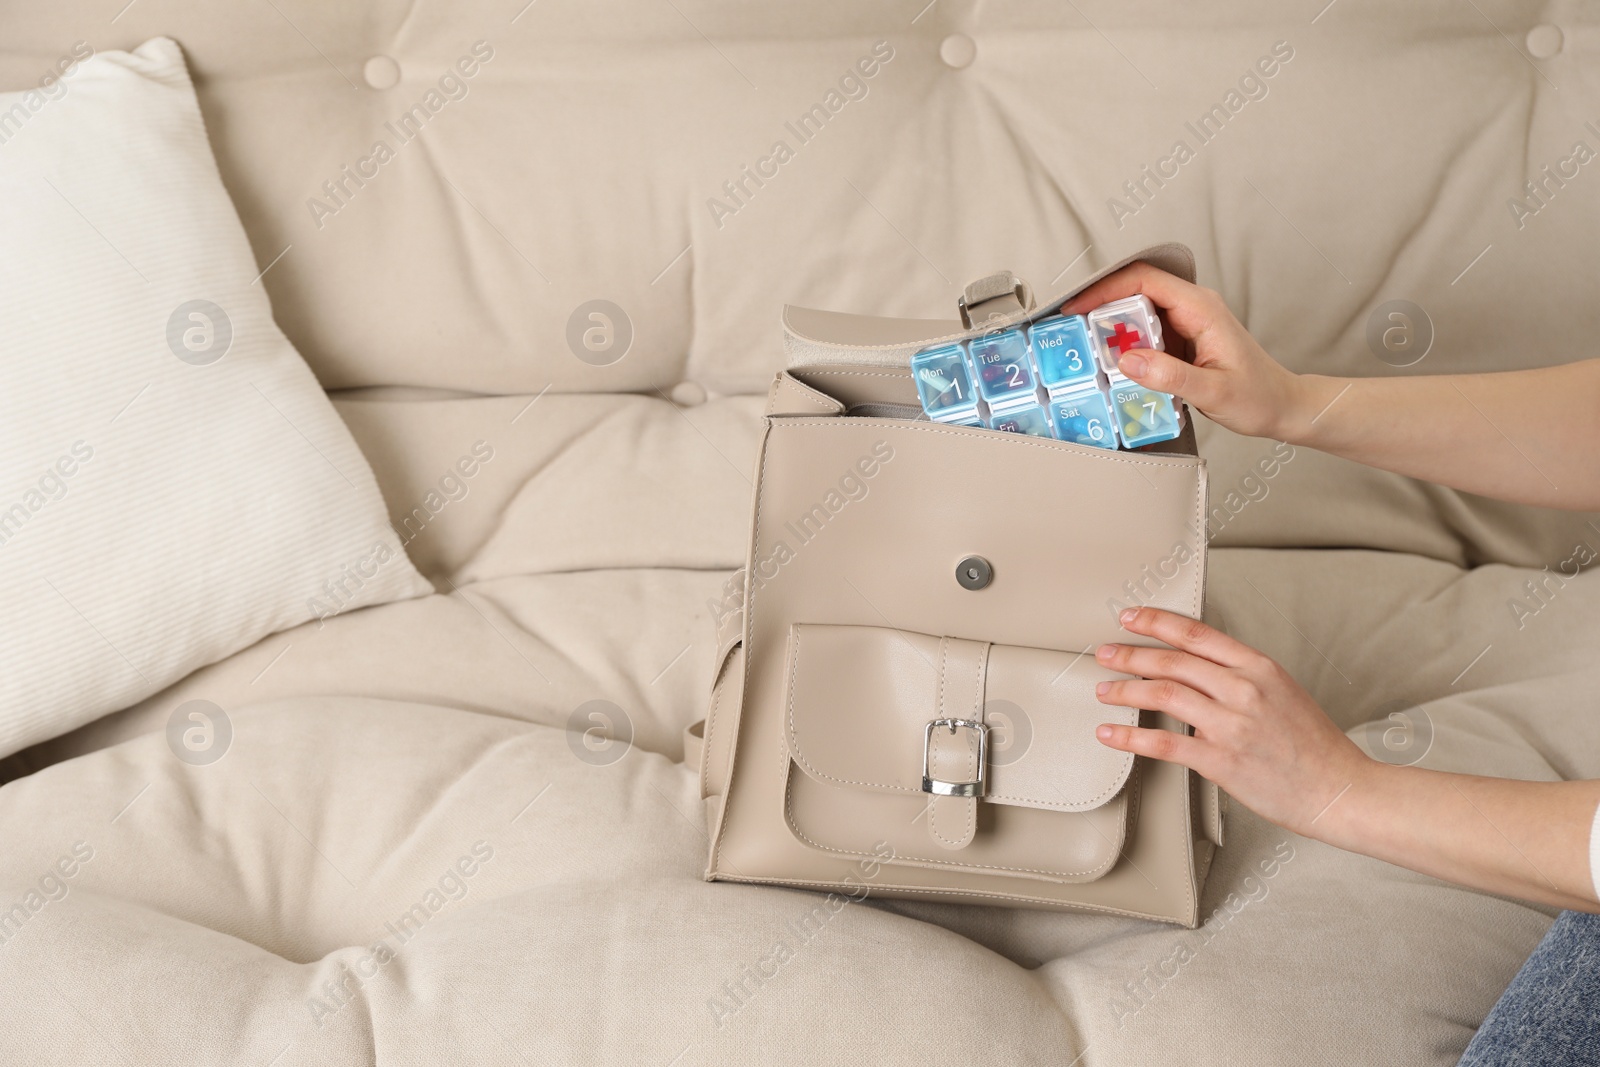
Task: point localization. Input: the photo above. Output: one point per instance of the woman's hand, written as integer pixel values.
(1257, 733)
(1232, 380)
(1262, 738)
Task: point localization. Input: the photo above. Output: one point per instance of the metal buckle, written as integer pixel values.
(939, 787)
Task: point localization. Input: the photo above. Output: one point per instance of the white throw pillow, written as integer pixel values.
(174, 484)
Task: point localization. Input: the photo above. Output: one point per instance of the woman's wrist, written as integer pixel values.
(1345, 802)
(1307, 398)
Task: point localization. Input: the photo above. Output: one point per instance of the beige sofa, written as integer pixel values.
(413, 853)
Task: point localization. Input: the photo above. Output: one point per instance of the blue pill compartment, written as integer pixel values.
(1004, 369)
(995, 381)
(1144, 416)
(943, 384)
(1083, 417)
(1061, 351)
(1027, 418)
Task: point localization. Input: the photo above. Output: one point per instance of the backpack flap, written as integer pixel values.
(955, 752)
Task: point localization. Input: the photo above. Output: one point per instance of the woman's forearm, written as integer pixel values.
(1517, 838)
(1530, 437)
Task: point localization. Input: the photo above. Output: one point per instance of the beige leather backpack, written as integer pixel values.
(905, 700)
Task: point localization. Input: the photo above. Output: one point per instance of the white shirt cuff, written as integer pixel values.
(1594, 853)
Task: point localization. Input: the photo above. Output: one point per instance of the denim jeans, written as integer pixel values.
(1550, 1014)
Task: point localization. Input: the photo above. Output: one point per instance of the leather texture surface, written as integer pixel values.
(857, 636)
(858, 698)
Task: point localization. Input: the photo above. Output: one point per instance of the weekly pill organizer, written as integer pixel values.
(1054, 377)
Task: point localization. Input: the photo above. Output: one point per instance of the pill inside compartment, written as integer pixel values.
(1027, 418)
(943, 384)
(1144, 416)
(1004, 371)
(1083, 417)
(1061, 351)
(1122, 326)
(1057, 377)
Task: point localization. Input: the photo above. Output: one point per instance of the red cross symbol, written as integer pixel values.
(1123, 338)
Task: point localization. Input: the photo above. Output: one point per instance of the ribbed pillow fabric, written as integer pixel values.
(174, 484)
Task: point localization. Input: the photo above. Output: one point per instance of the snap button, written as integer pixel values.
(958, 51)
(381, 72)
(974, 572)
(1544, 40)
(688, 394)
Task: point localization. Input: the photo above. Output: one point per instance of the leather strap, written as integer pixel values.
(1213, 811)
(953, 752)
(994, 296)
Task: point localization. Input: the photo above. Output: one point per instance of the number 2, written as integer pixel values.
(1015, 378)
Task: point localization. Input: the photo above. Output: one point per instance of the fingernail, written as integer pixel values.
(1102, 689)
(1105, 651)
(1133, 365)
(1127, 615)
(1103, 733)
